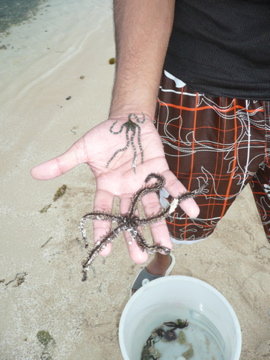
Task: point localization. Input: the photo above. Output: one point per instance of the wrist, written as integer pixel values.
(132, 115)
(135, 99)
(118, 111)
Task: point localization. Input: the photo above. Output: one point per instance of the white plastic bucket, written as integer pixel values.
(159, 300)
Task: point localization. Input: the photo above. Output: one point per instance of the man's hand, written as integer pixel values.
(117, 177)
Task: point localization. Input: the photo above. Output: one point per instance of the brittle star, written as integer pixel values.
(130, 221)
(130, 126)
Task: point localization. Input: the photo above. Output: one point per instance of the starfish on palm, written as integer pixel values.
(131, 222)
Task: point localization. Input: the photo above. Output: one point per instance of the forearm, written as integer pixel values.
(142, 32)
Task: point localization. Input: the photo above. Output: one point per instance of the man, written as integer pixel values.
(214, 126)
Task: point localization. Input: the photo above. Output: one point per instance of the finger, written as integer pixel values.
(135, 252)
(75, 155)
(159, 229)
(103, 202)
(176, 188)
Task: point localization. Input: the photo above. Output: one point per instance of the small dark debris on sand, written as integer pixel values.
(73, 130)
(45, 209)
(19, 279)
(112, 61)
(48, 343)
(60, 192)
(68, 98)
(82, 77)
(44, 337)
(46, 242)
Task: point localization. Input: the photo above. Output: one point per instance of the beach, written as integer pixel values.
(56, 82)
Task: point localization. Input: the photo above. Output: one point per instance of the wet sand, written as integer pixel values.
(55, 85)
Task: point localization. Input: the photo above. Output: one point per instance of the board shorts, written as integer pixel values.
(218, 141)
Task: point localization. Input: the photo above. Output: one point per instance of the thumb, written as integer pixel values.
(59, 165)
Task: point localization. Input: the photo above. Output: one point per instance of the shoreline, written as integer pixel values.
(37, 48)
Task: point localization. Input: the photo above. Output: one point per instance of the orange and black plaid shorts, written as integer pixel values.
(219, 141)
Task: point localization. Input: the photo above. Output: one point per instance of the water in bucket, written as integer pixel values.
(200, 340)
(214, 331)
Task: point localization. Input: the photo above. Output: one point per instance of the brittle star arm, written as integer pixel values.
(151, 249)
(137, 118)
(117, 131)
(96, 215)
(100, 245)
(170, 208)
(132, 136)
(140, 144)
(119, 150)
(145, 190)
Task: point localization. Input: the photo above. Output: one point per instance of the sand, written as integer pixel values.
(41, 253)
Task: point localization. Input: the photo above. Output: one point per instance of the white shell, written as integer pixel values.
(173, 206)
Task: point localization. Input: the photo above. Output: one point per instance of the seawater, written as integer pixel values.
(202, 334)
(13, 12)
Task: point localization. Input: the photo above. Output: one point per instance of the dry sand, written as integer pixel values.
(40, 288)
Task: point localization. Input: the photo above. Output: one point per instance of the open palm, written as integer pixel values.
(115, 176)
